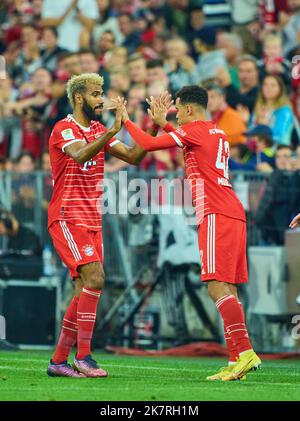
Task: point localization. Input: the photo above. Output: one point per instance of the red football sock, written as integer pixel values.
(86, 317)
(234, 321)
(231, 347)
(68, 334)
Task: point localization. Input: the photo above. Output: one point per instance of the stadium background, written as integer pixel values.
(142, 48)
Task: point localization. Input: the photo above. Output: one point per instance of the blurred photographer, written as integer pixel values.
(21, 240)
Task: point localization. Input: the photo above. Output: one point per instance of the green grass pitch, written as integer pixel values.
(23, 377)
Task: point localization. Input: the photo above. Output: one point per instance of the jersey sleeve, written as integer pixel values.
(188, 135)
(64, 134)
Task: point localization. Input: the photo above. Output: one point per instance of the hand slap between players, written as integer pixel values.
(158, 108)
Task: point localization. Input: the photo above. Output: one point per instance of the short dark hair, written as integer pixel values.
(52, 29)
(152, 64)
(193, 94)
(266, 139)
(279, 147)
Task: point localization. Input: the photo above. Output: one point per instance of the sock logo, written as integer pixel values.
(88, 250)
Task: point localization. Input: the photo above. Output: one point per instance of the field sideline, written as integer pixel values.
(23, 377)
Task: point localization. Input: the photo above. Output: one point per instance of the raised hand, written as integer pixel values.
(119, 106)
(295, 222)
(158, 108)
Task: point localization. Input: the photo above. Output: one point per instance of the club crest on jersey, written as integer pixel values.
(67, 134)
(88, 250)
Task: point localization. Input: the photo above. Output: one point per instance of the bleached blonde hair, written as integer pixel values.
(78, 84)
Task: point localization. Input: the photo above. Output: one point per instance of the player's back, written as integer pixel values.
(206, 155)
(77, 188)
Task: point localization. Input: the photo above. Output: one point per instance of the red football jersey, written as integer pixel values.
(206, 154)
(77, 188)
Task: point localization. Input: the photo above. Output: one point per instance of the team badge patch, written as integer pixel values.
(88, 250)
(68, 134)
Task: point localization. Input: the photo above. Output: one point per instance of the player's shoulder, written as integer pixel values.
(65, 128)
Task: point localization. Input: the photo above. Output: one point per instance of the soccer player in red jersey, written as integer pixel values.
(220, 216)
(77, 144)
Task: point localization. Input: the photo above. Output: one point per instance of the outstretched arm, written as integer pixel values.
(135, 154)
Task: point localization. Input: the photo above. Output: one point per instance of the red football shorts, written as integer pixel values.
(76, 246)
(223, 252)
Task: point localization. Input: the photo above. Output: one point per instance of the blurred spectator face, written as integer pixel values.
(273, 48)
(248, 74)
(119, 81)
(230, 46)
(71, 64)
(294, 5)
(125, 25)
(25, 164)
(103, 5)
(175, 49)
(155, 89)
(106, 42)
(41, 80)
(197, 19)
(136, 96)
(282, 159)
(37, 6)
(158, 45)
(88, 63)
(270, 88)
(261, 143)
(29, 35)
(137, 71)
(216, 101)
(118, 57)
(46, 166)
(156, 73)
(49, 38)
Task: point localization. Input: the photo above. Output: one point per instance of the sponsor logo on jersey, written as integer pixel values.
(67, 134)
(88, 250)
(224, 182)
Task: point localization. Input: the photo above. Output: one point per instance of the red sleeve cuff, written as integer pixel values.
(168, 128)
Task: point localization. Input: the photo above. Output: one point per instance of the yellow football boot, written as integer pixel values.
(249, 360)
(224, 372)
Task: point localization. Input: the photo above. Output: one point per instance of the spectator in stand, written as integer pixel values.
(179, 66)
(89, 64)
(156, 72)
(120, 81)
(29, 59)
(233, 48)
(225, 117)
(137, 69)
(50, 51)
(263, 157)
(249, 81)
(275, 209)
(118, 57)
(273, 62)
(274, 109)
(71, 18)
(290, 24)
(10, 124)
(106, 22)
(68, 65)
(210, 58)
(131, 37)
(24, 188)
(104, 46)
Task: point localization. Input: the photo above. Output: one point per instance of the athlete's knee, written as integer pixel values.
(217, 290)
(93, 275)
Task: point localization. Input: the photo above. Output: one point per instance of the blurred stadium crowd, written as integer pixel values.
(244, 52)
